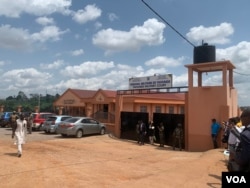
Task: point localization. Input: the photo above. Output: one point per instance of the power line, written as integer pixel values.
(241, 73)
(179, 32)
(168, 24)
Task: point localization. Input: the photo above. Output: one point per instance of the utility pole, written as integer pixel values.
(39, 102)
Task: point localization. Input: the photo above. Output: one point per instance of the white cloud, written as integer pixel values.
(77, 52)
(24, 78)
(164, 61)
(35, 7)
(55, 65)
(21, 39)
(86, 68)
(89, 13)
(239, 55)
(115, 78)
(181, 80)
(14, 38)
(45, 21)
(48, 33)
(215, 35)
(150, 33)
(113, 17)
(98, 25)
(2, 63)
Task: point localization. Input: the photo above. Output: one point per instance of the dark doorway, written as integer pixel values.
(105, 107)
(170, 122)
(128, 123)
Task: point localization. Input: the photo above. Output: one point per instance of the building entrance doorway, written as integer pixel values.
(129, 121)
(170, 122)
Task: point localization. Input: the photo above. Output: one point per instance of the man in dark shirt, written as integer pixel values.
(243, 155)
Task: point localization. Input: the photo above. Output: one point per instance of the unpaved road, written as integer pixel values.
(104, 162)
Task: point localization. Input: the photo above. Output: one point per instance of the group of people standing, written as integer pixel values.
(20, 126)
(143, 131)
(237, 139)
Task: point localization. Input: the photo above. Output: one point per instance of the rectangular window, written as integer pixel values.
(171, 109)
(158, 109)
(143, 108)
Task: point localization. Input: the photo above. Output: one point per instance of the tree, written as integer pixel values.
(10, 98)
(28, 104)
(21, 96)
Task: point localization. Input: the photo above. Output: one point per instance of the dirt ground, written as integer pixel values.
(105, 162)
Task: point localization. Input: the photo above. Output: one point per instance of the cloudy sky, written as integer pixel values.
(48, 46)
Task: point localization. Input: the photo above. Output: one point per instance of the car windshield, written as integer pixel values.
(72, 120)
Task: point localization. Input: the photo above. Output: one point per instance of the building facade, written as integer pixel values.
(107, 107)
(194, 108)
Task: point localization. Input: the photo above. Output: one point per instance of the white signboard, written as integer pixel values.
(150, 82)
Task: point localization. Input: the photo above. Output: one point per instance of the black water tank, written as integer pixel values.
(204, 53)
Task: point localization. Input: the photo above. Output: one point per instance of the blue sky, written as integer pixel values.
(48, 46)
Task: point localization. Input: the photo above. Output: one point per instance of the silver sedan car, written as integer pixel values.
(51, 123)
(79, 126)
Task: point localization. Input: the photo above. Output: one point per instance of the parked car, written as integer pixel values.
(51, 123)
(39, 118)
(5, 119)
(79, 126)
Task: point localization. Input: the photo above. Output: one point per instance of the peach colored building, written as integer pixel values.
(102, 105)
(199, 104)
(206, 102)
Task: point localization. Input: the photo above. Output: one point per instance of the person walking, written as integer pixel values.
(18, 131)
(227, 128)
(142, 131)
(233, 144)
(30, 123)
(178, 137)
(138, 132)
(161, 134)
(151, 132)
(215, 128)
(13, 118)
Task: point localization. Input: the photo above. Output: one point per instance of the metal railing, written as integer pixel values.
(182, 89)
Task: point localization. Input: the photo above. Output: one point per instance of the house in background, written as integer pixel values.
(99, 104)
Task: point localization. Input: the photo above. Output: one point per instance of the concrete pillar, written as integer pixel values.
(119, 107)
(60, 110)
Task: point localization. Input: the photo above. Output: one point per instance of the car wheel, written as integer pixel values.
(102, 131)
(63, 135)
(79, 134)
(39, 128)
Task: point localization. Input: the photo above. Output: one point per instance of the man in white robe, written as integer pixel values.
(19, 131)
